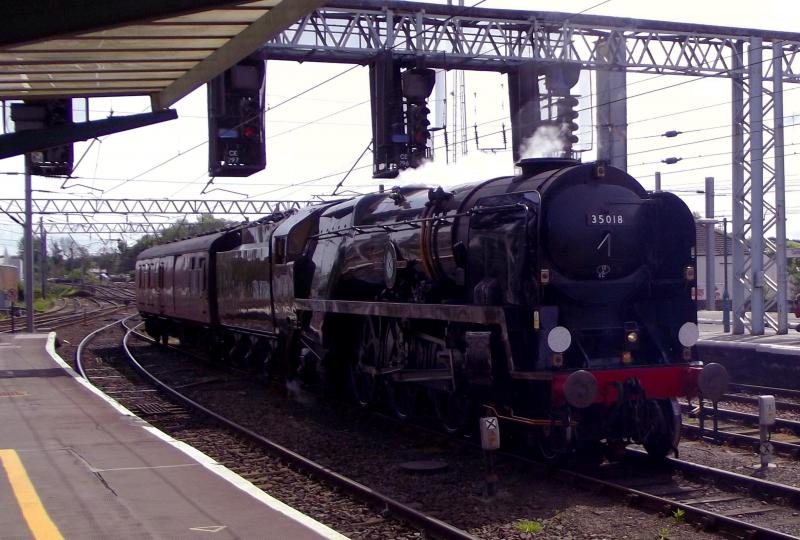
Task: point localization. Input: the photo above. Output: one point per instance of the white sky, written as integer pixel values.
(314, 139)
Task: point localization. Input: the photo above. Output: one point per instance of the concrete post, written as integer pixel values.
(711, 243)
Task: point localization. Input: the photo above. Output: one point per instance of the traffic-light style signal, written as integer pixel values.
(418, 133)
(418, 120)
(566, 116)
(44, 114)
(236, 120)
(417, 84)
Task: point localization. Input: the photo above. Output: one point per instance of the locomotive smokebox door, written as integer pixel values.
(490, 433)
(391, 264)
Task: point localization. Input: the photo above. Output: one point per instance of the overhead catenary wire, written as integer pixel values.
(168, 160)
(653, 150)
(291, 98)
(137, 177)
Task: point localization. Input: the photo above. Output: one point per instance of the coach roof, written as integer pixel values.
(198, 243)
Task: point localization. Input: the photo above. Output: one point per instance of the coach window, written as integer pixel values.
(279, 256)
(202, 274)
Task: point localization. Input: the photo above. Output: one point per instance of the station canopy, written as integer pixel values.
(160, 48)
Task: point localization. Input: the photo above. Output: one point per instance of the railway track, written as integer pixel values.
(74, 311)
(735, 421)
(66, 309)
(709, 497)
(247, 446)
(706, 496)
(786, 399)
(734, 505)
(117, 293)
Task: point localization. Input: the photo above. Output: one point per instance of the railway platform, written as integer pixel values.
(78, 465)
(768, 360)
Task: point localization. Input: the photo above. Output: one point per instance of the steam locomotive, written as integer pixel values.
(558, 300)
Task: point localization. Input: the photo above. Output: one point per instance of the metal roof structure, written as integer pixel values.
(160, 48)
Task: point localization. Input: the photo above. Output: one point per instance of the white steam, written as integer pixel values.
(546, 141)
(468, 168)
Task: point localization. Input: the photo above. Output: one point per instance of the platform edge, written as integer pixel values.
(198, 456)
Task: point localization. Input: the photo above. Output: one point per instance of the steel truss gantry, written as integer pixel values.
(758, 62)
(145, 207)
(91, 227)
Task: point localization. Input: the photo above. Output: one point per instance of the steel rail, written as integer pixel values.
(780, 405)
(787, 392)
(730, 414)
(705, 517)
(773, 489)
(789, 448)
(432, 526)
(67, 320)
(88, 338)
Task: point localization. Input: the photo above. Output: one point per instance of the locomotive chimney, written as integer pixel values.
(534, 166)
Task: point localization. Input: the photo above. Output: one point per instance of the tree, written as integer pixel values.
(180, 229)
(37, 241)
(794, 269)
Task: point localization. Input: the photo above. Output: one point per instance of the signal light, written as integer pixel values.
(44, 114)
(417, 83)
(236, 120)
(565, 108)
(421, 123)
(418, 124)
(565, 115)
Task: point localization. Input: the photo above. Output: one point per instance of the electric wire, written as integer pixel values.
(637, 95)
(292, 98)
(137, 177)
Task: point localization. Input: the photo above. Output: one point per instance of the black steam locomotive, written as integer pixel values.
(558, 300)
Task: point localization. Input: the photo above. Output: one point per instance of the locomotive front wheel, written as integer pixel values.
(662, 436)
(553, 443)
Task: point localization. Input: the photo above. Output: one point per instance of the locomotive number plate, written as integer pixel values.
(604, 219)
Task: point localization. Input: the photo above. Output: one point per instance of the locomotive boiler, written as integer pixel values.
(558, 299)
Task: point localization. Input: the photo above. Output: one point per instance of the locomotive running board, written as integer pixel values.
(439, 312)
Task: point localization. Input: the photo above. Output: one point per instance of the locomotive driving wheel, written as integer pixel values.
(452, 409)
(402, 397)
(362, 373)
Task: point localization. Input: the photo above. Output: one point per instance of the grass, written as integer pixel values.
(56, 293)
(43, 304)
(529, 526)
